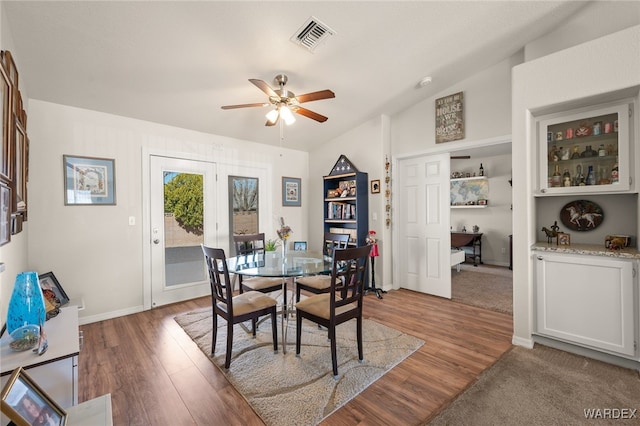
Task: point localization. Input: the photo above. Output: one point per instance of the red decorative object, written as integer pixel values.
(374, 251)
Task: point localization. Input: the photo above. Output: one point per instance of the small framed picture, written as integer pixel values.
(291, 192)
(5, 213)
(49, 282)
(25, 403)
(564, 239)
(89, 181)
(299, 246)
(375, 186)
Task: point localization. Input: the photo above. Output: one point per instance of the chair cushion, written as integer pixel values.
(319, 306)
(259, 283)
(319, 282)
(250, 301)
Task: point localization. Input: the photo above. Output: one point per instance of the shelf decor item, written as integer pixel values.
(563, 239)
(581, 215)
(26, 306)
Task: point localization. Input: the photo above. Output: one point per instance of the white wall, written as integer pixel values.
(487, 106)
(596, 19)
(495, 220)
(576, 76)
(92, 249)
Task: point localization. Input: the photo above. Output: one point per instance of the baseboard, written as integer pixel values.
(521, 341)
(109, 315)
(589, 353)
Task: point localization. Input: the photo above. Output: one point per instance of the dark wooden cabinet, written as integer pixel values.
(346, 205)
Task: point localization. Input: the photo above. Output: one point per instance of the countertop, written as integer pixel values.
(587, 249)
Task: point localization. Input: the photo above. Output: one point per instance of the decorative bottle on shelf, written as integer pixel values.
(556, 178)
(481, 171)
(614, 172)
(579, 176)
(602, 152)
(566, 178)
(591, 177)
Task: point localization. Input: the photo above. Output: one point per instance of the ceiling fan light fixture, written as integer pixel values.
(287, 116)
(272, 116)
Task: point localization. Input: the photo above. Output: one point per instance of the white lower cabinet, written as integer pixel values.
(587, 300)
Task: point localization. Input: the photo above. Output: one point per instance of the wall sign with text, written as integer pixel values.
(450, 118)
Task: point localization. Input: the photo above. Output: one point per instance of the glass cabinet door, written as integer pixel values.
(585, 151)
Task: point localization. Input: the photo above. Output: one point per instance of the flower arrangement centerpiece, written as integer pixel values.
(284, 232)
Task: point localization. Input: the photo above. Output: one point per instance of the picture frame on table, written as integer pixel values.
(299, 246)
(291, 192)
(26, 403)
(89, 181)
(375, 186)
(48, 281)
(563, 239)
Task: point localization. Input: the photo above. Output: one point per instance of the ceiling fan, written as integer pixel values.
(285, 102)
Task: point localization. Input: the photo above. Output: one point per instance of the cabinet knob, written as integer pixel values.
(539, 257)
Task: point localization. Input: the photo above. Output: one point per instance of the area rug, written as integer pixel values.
(484, 286)
(545, 386)
(285, 389)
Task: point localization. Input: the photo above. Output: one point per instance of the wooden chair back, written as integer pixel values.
(334, 241)
(221, 289)
(348, 276)
(249, 244)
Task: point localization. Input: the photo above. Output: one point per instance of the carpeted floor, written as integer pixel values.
(545, 386)
(484, 286)
(285, 389)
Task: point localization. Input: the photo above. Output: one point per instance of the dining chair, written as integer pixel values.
(253, 246)
(250, 305)
(342, 303)
(318, 284)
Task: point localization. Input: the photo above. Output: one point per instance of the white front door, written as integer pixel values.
(182, 217)
(423, 224)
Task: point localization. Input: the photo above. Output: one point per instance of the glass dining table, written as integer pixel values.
(287, 266)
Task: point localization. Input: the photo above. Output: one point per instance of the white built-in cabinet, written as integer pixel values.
(573, 142)
(584, 294)
(587, 300)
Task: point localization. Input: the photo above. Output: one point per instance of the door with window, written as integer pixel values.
(183, 216)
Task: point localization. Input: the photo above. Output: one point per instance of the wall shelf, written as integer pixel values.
(469, 207)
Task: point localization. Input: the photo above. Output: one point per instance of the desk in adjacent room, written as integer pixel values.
(469, 239)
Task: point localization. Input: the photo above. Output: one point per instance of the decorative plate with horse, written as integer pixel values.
(581, 215)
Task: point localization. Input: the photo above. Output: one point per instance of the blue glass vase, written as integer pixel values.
(27, 302)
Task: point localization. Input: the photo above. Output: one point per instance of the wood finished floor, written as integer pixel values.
(157, 376)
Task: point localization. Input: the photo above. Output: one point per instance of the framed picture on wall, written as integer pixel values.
(6, 152)
(291, 192)
(89, 181)
(5, 213)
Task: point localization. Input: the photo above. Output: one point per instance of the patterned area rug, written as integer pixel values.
(285, 389)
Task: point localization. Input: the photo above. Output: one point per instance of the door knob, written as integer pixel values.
(156, 241)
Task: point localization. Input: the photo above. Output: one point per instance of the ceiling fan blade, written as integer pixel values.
(264, 87)
(315, 96)
(310, 114)
(257, 104)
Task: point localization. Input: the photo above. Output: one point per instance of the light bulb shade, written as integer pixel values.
(272, 115)
(27, 302)
(287, 116)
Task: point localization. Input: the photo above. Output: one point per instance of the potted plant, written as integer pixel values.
(271, 245)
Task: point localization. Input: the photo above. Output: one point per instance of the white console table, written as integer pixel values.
(94, 412)
(55, 371)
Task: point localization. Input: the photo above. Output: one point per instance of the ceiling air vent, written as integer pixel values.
(311, 34)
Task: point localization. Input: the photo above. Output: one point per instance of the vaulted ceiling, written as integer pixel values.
(178, 62)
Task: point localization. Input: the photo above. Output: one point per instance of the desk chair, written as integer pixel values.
(318, 284)
(253, 245)
(235, 309)
(342, 303)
